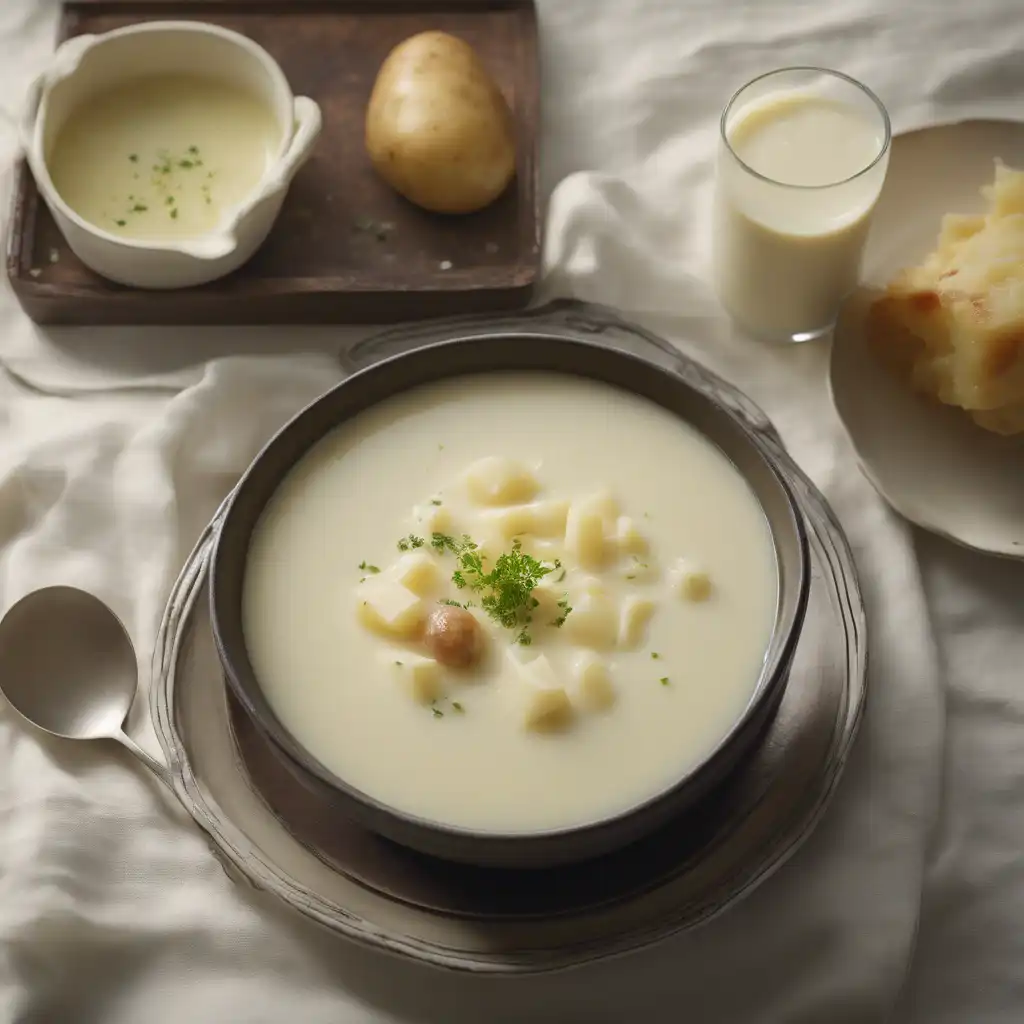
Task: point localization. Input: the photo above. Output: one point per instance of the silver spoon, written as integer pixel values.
(68, 667)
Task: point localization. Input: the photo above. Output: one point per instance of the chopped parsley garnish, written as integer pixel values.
(456, 706)
(187, 164)
(655, 655)
(437, 712)
(120, 223)
(565, 609)
(435, 501)
(174, 213)
(134, 157)
(194, 150)
(410, 543)
(169, 200)
(139, 208)
(452, 604)
(561, 576)
(398, 663)
(663, 680)
(442, 542)
(367, 567)
(506, 591)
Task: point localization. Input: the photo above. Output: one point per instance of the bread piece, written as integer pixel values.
(954, 326)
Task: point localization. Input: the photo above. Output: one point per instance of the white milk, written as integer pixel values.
(788, 249)
(340, 688)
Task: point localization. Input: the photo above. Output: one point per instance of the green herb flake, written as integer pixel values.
(456, 706)
(435, 501)
(410, 543)
(139, 208)
(367, 567)
(194, 150)
(437, 712)
(174, 213)
(169, 201)
(134, 157)
(507, 589)
(120, 223)
(663, 680)
(398, 663)
(566, 610)
(631, 576)
(186, 164)
(451, 604)
(655, 655)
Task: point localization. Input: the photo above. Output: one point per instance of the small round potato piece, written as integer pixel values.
(438, 129)
(453, 637)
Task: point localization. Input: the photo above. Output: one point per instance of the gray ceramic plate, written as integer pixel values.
(271, 833)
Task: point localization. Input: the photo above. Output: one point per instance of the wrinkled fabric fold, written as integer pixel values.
(119, 444)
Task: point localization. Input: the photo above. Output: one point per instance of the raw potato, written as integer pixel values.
(438, 129)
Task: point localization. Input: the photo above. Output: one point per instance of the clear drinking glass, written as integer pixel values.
(802, 158)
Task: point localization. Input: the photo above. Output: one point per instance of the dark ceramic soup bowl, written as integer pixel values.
(511, 352)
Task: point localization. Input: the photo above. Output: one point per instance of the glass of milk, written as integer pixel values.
(802, 157)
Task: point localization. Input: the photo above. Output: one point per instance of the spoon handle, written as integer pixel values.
(159, 770)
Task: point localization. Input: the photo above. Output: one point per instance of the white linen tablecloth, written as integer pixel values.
(907, 904)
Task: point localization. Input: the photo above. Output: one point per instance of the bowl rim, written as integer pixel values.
(774, 669)
(40, 165)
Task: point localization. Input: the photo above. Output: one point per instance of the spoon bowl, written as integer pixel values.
(68, 667)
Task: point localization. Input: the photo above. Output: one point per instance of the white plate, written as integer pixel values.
(931, 463)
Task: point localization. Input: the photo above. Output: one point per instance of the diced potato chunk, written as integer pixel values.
(548, 518)
(541, 518)
(386, 607)
(605, 505)
(691, 582)
(419, 572)
(500, 481)
(634, 616)
(429, 518)
(592, 685)
(592, 585)
(421, 677)
(584, 536)
(593, 622)
(628, 537)
(545, 706)
(508, 522)
(549, 551)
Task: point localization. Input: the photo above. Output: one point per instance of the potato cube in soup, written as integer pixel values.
(544, 704)
(594, 622)
(584, 537)
(592, 687)
(419, 572)
(386, 607)
(634, 616)
(628, 537)
(508, 522)
(500, 481)
(691, 582)
(421, 677)
(430, 518)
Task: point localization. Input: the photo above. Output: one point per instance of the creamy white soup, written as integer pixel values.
(163, 156)
(511, 602)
